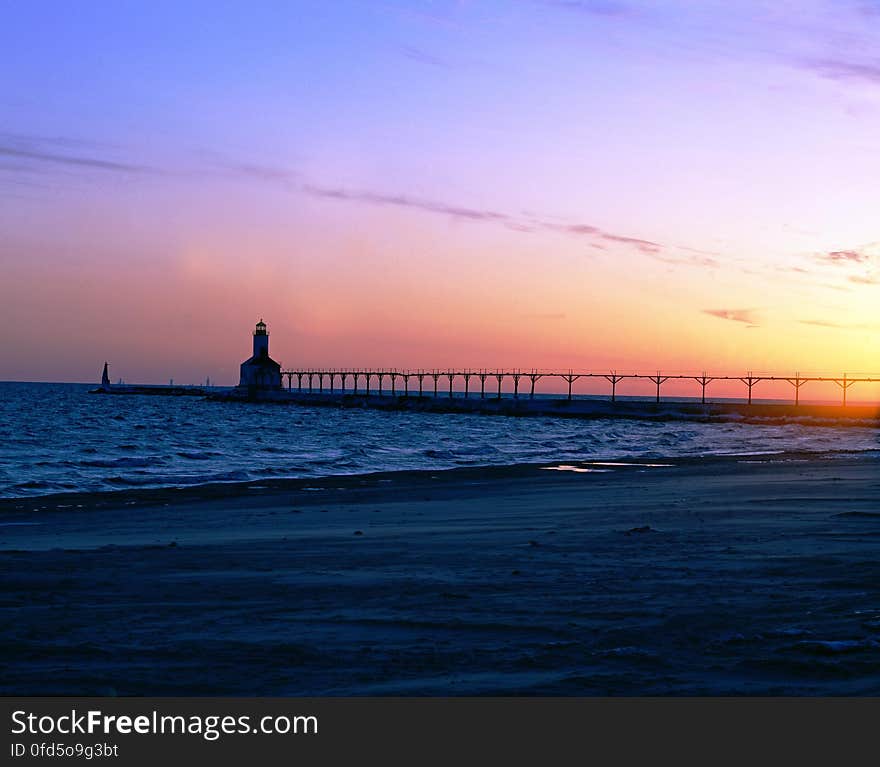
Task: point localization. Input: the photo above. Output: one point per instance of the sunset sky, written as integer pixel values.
(677, 186)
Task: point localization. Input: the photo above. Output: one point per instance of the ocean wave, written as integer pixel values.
(115, 463)
(431, 453)
(147, 480)
(205, 455)
(36, 484)
(837, 646)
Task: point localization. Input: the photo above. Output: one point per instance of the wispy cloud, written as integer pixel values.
(530, 223)
(862, 260)
(842, 69)
(29, 155)
(646, 246)
(262, 172)
(707, 262)
(404, 201)
(423, 57)
(592, 7)
(42, 154)
(746, 316)
(844, 257)
(839, 325)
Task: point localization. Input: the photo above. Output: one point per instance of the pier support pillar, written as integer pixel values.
(571, 378)
(750, 381)
(534, 377)
(613, 379)
(704, 381)
(797, 382)
(657, 380)
(844, 384)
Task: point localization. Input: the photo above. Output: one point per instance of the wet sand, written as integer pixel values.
(750, 576)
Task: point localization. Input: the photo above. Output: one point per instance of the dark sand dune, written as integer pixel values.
(703, 577)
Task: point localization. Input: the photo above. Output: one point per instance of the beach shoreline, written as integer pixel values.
(266, 489)
(750, 575)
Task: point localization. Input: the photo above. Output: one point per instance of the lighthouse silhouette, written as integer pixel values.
(260, 372)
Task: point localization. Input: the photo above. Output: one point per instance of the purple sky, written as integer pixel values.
(683, 185)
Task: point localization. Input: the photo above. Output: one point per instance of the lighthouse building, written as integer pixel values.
(260, 371)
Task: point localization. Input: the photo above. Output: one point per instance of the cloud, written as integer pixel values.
(594, 232)
(26, 155)
(839, 69)
(844, 257)
(423, 57)
(592, 7)
(40, 154)
(868, 7)
(839, 325)
(746, 316)
(864, 256)
(645, 246)
(462, 212)
(404, 201)
(261, 172)
(696, 260)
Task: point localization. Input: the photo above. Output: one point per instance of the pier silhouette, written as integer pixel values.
(383, 381)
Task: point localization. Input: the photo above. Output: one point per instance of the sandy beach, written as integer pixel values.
(721, 576)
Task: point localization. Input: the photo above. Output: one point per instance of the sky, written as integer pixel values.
(676, 186)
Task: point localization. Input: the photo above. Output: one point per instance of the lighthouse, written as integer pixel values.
(260, 372)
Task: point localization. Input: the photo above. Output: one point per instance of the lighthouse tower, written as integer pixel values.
(260, 372)
(261, 340)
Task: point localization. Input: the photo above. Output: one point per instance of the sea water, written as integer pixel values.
(59, 438)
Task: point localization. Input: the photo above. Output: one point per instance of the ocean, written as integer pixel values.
(57, 438)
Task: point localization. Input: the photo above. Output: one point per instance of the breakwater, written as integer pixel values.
(570, 408)
(154, 389)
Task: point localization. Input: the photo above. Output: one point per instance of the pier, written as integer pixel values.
(514, 391)
(473, 383)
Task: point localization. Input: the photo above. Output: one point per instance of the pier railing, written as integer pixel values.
(441, 382)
